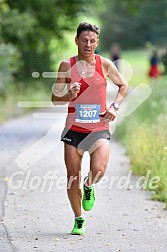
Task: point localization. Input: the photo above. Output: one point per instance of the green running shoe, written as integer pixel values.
(88, 200)
(79, 226)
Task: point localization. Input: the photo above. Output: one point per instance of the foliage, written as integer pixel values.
(9, 64)
(11, 97)
(30, 26)
(145, 136)
(134, 23)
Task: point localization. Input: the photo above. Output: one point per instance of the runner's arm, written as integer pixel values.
(119, 81)
(58, 95)
(111, 71)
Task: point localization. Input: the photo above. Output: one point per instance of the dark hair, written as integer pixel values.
(87, 27)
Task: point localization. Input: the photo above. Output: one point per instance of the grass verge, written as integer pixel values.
(145, 136)
(27, 91)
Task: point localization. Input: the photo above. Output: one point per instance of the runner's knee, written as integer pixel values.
(97, 173)
(73, 180)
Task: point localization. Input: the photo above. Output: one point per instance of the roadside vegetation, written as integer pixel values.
(144, 132)
(34, 90)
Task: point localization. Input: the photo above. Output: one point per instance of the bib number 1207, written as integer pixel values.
(87, 113)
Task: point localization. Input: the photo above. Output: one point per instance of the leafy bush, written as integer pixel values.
(9, 64)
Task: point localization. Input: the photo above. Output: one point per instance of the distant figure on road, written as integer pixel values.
(154, 71)
(164, 61)
(115, 54)
(87, 121)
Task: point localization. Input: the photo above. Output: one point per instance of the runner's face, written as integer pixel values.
(87, 43)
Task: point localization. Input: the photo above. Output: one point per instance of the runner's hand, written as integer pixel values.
(108, 115)
(74, 90)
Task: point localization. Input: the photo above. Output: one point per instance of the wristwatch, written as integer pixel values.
(115, 106)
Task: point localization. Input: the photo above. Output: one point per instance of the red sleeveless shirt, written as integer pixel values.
(83, 112)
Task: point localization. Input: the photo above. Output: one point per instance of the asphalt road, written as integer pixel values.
(35, 214)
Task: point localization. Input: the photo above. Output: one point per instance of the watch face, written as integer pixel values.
(116, 105)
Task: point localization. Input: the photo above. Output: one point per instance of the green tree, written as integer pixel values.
(31, 25)
(133, 23)
(10, 58)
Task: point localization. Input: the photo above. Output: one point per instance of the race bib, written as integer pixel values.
(87, 113)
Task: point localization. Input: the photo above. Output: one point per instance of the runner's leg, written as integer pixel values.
(73, 164)
(99, 156)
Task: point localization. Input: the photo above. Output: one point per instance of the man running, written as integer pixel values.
(87, 122)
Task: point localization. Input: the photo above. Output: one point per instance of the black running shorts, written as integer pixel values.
(83, 140)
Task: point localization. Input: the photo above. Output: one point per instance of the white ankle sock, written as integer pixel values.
(87, 184)
(81, 216)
